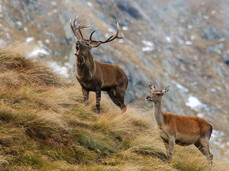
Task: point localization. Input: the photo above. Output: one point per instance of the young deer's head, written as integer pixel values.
(156, 94)
(83, 46)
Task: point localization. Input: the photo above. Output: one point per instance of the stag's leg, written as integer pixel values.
(112, 95)
(204, 141)
(120, 96)
(98, 98)
(85, 96)
(171, 148)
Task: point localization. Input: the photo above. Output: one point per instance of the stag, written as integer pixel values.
(182, 130)
(95, 76)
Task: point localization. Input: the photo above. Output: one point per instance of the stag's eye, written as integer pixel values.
(158, 94)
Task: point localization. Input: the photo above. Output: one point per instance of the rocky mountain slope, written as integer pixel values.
(179, 43)
(45, 126)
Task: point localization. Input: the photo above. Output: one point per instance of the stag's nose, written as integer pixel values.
(147, 97)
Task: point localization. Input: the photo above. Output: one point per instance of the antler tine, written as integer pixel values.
(76, 30)
(116, 35)
(78, 27)
(92, 34)
(111, 38)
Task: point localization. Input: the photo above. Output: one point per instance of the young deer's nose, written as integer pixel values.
(147, 97)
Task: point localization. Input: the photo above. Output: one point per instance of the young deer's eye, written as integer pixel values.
(158, 94)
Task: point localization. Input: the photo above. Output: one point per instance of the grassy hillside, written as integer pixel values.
(45, 126)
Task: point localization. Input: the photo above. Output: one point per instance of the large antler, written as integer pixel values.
(76, 30)
(93, 43)
(111, 38)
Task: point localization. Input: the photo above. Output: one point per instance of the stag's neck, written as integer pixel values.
(158, 114)
(86, 67)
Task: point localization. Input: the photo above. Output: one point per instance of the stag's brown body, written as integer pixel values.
(182, 130)
(95, 76)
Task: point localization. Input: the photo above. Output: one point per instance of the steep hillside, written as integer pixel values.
(45, 126)
(182, 43)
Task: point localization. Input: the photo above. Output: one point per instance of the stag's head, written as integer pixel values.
(156, 94)
(83, 46)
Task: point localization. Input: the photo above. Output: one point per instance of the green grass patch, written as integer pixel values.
(184, 166)
(93, 142)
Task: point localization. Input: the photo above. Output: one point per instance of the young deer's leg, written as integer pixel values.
(204, 141)
(171, 147)
(85, 96)
(199, 146)
(166, 147)
(98, 98)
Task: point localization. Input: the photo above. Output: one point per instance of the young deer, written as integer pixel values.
(95, 76)
(182, 130)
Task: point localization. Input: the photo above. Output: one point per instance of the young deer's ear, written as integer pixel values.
(151, 86)
(165, 89)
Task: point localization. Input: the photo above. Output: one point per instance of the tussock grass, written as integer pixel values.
(15, 65)
(34, 125)
(45, 126)
(149, 144)
(193, 160)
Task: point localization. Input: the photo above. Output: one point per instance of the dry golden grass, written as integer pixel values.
(45, 126)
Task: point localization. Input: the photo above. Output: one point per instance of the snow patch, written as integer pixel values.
(125, 28)
(62, 70)
(178, 85)
(47, 41)
(107, 35)
(8, 36)
(36, 52)
(194, 103)
(168, 39)
(19, 23)
(29, 39)
(201, 115)
(120, 40)
(212, 90)
(111, 30)
(147, 43)
(89, 4)
(25, 29)
(149, 46)
(188, 43)
(41, 43)
(217, 138)
(147, 49)
(193, 37)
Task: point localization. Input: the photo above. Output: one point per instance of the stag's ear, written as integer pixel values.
(151, 86)
(165, 89)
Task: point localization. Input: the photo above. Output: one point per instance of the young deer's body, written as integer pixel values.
(182, 130)
(95, 76)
